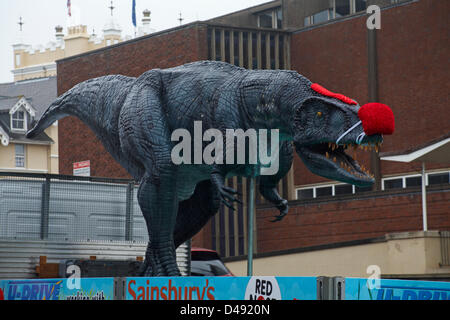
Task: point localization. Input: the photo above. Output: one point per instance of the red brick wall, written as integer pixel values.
(77, 141)
(324, 222)
(413, 50)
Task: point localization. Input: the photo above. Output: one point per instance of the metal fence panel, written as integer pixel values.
(44, 207)
(66, 217)
(19, 258)
(20, 208)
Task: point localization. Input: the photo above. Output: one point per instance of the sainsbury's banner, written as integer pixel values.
(58, 289)
(221, 288)
(386, 289)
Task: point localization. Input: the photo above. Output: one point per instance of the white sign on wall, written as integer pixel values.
(82, 168)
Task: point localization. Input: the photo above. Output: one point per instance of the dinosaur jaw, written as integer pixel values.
(331, 161)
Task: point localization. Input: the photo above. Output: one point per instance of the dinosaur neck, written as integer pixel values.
(263, 111)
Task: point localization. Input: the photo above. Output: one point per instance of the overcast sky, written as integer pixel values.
(41, 17)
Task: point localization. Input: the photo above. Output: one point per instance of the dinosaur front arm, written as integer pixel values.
(268, 183)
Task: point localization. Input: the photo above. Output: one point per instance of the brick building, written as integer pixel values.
(402, 65)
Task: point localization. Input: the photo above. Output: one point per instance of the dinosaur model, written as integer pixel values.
(134, 119)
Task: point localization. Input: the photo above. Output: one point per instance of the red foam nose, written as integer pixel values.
(377, 118)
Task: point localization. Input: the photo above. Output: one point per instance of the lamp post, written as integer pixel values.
(250, 215)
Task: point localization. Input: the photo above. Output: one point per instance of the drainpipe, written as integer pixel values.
(373, 97)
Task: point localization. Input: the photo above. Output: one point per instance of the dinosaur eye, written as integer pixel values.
(319, 113)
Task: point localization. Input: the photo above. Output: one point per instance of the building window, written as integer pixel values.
(20, 155)
(342, 189)
(393, 183)
(338, 8)
(307, 21)
(303, 194)
(272, 19)
(342, 8)
(279, 15)
(321, 16)
(360, 5)
(17, 60)
(362, 189)
(18, 121)
(265, 19)
(325, 191)
(415, 180)
(408, 181)
(438, 178)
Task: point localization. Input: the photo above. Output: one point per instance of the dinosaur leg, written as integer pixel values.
(196, 211)
(159, 205)
(145, 136)
(268, 184)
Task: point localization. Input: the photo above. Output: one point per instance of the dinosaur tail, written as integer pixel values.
(79, 101)
(54, 112)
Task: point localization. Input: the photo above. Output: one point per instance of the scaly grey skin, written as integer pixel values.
(135, 117)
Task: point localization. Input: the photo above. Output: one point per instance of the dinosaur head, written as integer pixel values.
(327, 126)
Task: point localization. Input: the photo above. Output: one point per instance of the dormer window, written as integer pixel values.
(18, 120)
(20, 114)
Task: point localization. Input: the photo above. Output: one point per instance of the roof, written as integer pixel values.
(435, 151)
(39, 92)
(17, 137)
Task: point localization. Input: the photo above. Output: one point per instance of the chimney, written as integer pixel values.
(146, 19)
(59, 33)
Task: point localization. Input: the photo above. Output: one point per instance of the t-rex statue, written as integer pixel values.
(134, 119)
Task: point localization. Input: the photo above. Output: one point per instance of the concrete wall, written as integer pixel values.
(402, 254)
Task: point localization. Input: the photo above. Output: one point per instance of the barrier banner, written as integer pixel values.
(221, 288)
(58, 289)
(386, 289)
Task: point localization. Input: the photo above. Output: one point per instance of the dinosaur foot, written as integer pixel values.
(160, 261)
(284, 208)
(228, 196)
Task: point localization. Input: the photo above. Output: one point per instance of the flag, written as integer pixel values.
(68, 7)
(133, 13)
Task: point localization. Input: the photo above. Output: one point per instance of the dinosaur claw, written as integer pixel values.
(228, 205)
(229, 195)
(230, 190)
(279, 217)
